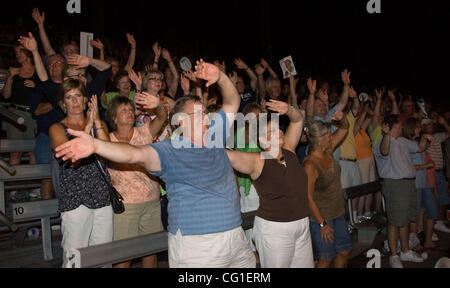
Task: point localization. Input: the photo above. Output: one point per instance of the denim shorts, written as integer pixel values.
(342, 239)
(441, 184)
(425, 197)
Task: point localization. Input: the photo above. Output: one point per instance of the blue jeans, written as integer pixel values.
(426, 199)
(342, 239)
(441, 184)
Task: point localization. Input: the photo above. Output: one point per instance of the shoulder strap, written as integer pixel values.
(314, 161)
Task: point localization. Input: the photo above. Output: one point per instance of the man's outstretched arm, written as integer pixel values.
(85, 145)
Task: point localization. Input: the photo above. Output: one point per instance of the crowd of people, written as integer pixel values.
(88, 113)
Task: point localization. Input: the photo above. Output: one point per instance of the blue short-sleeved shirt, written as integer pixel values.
(201, 186)
(397, 164)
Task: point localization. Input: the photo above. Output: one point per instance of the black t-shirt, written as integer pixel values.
(20, 94)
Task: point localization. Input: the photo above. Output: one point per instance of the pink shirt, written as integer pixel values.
(132, 181)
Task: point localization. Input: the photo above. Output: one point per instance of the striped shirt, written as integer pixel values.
(201, 187)
(435, 150)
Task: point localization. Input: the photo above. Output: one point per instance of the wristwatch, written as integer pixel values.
(323, 224)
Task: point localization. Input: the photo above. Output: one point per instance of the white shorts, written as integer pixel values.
(283, 244)
(229, 249)
(85, 227)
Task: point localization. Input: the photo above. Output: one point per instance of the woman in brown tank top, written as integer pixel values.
(329, 232)
(281, 227)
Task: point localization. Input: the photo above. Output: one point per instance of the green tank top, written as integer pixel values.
(327, 191)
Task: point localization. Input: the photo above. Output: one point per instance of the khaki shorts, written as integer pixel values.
(401, 202)
(138, 219)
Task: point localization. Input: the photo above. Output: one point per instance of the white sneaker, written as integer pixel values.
(35, 193)
(395, 262)
(440, 226)
(434, 237)
(411, 256)
(424, 256)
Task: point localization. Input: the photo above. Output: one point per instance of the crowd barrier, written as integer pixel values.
(18, 177)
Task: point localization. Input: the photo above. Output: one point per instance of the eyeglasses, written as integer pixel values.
(57, 63)
(198, 113)
(156, 79)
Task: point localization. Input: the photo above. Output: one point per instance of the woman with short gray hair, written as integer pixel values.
(329, 233)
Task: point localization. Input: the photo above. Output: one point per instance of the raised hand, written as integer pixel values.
(146, 100)
(166, 55)
(207, 71)
(379, 94)
(240, 64)
(81, 147)
(391, 95)
(29, 83)
(352, 93)
(79, 61)
(346, 77)
(147, 68)
(157, 50)
(185, 84)
(135, 78)
(259, 69)
(278, 106)
(39, 18)
(337, 116)
(190, 75)
(312, 86)
(97, 44)
(264, 63)
(233, 77)
(28, 42)
(131, 40)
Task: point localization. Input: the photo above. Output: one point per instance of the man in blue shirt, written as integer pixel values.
(399, 189)
(204, 213)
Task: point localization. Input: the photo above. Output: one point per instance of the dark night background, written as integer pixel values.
(405, 46)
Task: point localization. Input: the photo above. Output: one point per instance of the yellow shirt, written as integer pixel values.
(348, 147)
(375, 135)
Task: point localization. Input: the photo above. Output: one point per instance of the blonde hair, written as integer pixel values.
(146, 77)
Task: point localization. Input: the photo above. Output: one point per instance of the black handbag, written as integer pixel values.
(114, 195)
